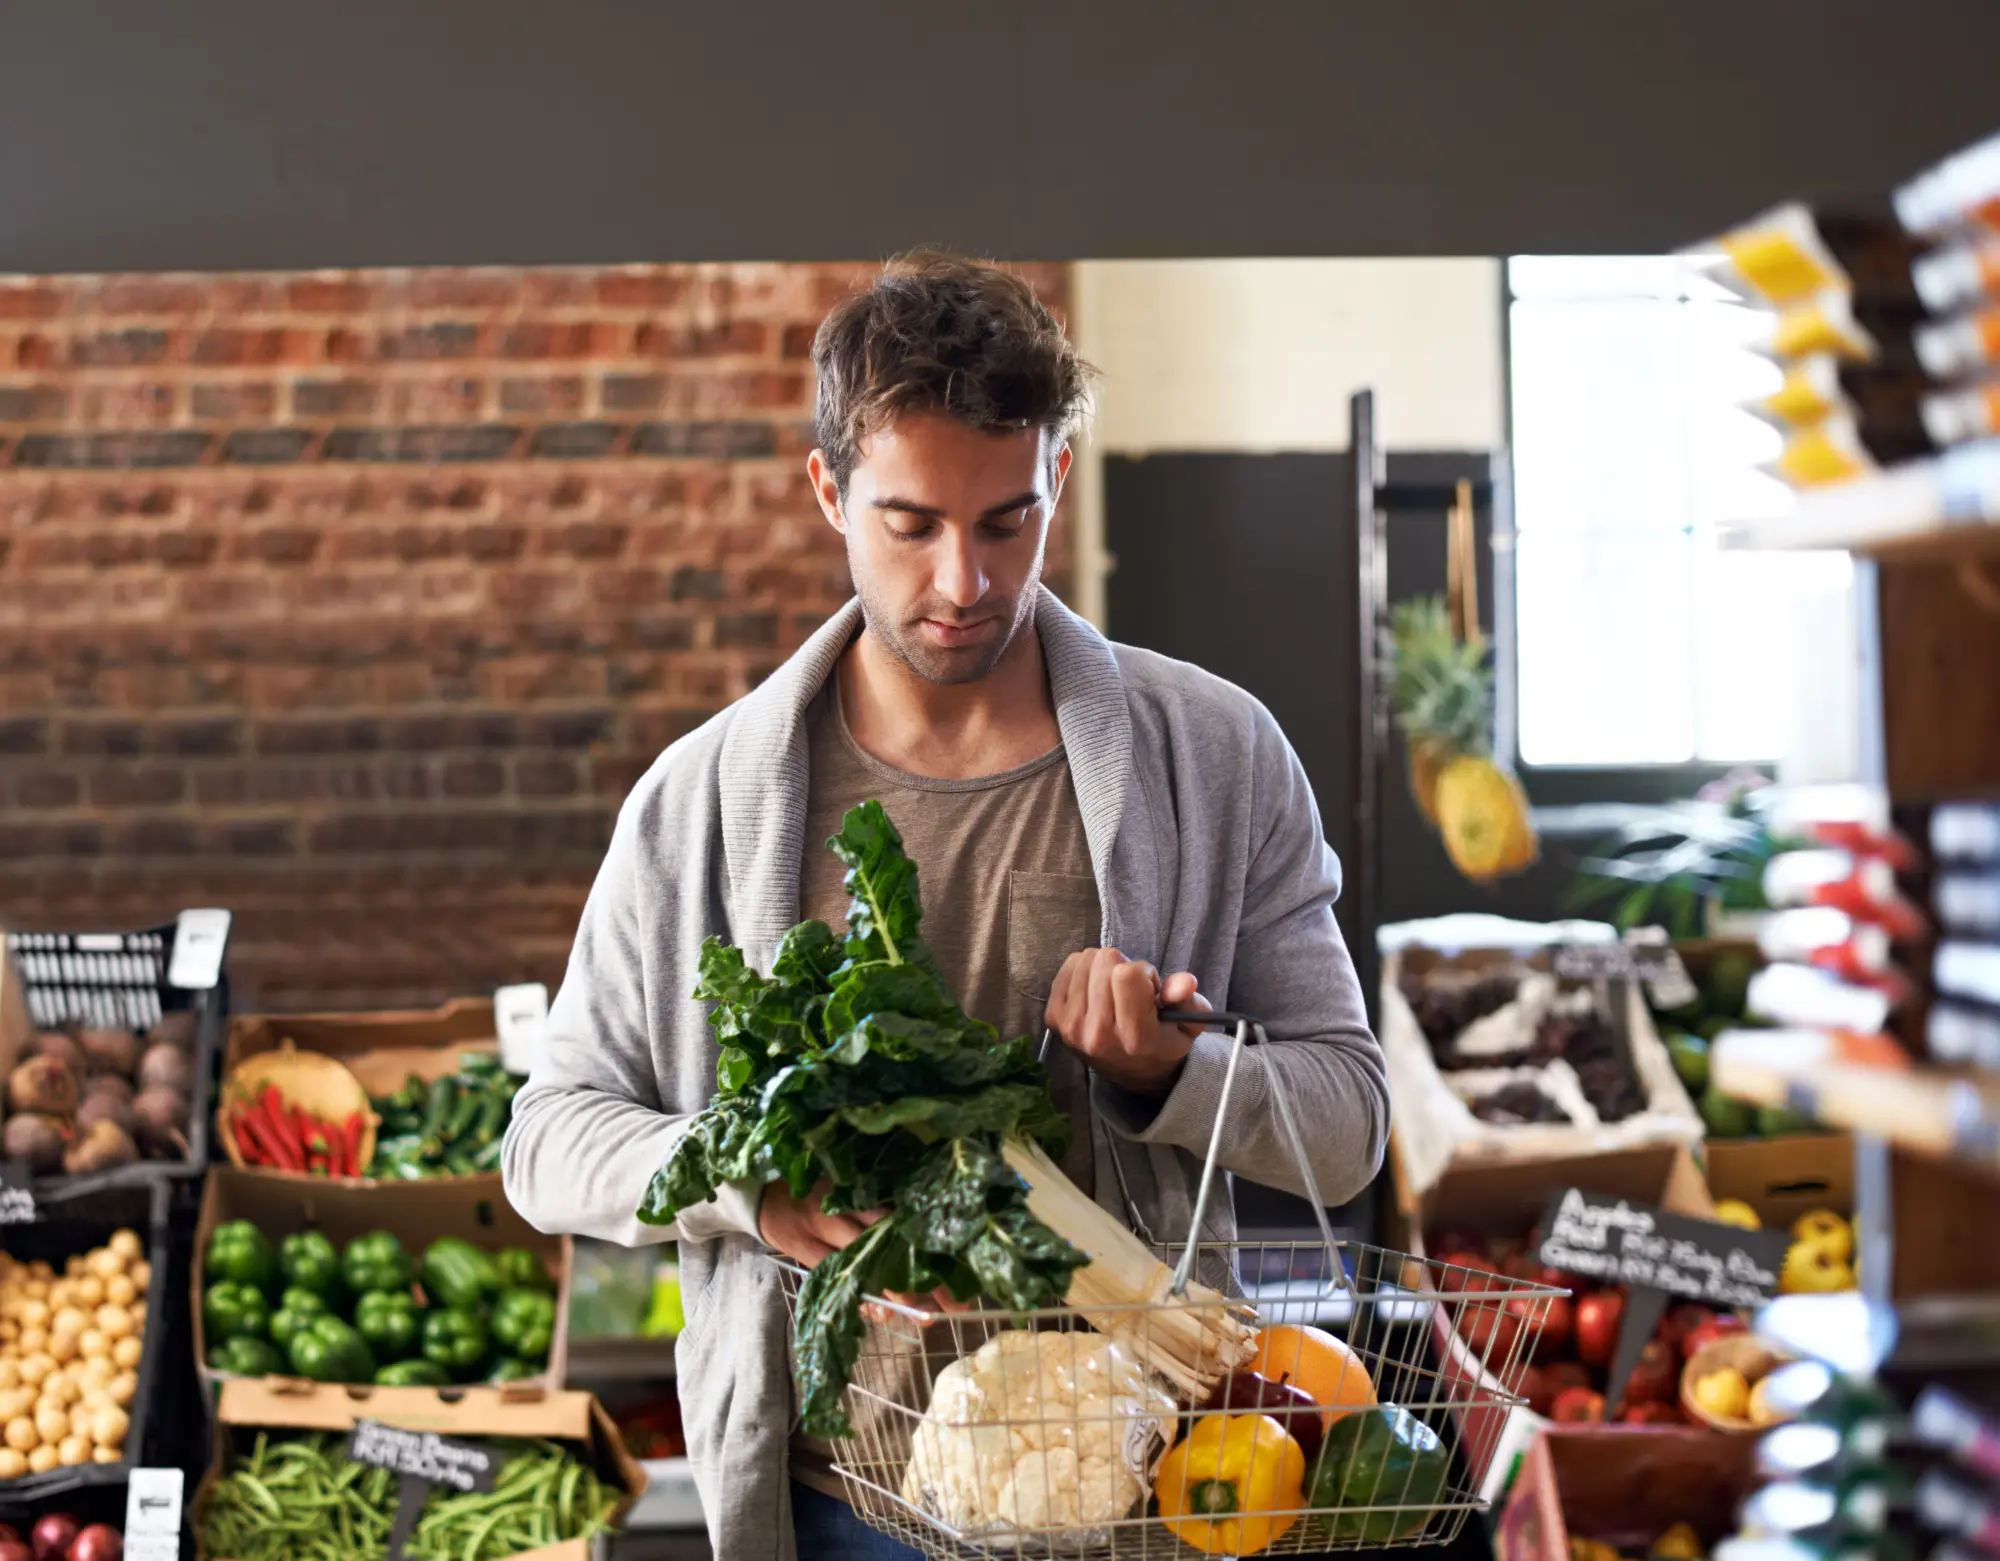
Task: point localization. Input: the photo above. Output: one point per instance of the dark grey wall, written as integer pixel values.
(242, 133)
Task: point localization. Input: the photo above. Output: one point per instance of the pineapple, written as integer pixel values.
(1441, 690)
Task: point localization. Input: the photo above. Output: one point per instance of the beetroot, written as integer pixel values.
(159, 1120)
(174, 1029)
(165, 1064)
(36, 1139)
(58, 1045)
(110, 1051)
(14, 1550)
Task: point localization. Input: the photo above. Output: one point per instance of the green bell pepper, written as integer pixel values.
(389, 1321)
(511, 1368)
(309, 1261)
(456, 1340)
(524, 1321)
(296, 1308)
(235, 1310)
(329, 1350)
(456, 1273)
(412, 1374)
(520, 1269)
(376, 1261)
(239, 1251)
(246, 1357)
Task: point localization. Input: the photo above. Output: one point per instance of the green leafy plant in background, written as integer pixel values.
(1671, 866)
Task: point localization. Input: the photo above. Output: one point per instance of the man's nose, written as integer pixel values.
(959, 580)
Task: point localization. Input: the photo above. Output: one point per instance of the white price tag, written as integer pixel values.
(199, 939)
(521, 1013)
(153, 1515)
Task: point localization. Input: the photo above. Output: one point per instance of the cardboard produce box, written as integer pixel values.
(1782, 1178)
(1438, 1130)
(380, 1049)
(1625, 1488)
(248, 1406)
(416, 1213)
(1502, 1201)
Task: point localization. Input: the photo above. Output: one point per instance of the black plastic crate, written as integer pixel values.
(119, 980)
(78, 1219)
(91, 1504)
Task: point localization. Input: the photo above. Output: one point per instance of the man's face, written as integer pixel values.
(945, 527)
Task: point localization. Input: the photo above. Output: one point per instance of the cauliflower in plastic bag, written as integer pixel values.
(1037, 1431)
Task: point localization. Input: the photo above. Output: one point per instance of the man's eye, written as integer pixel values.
(915, 533)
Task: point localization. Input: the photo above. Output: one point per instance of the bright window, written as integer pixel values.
(1640, 640)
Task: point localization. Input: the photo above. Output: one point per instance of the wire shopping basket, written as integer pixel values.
(1039, 1434)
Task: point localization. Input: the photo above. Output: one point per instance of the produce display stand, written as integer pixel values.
(1625, 1490)
(122, 980)
(75, 1220)
(416, 1213)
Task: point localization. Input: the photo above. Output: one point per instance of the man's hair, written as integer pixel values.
(941, 333)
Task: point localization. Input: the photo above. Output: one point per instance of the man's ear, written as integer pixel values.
(826, 488)
(1063, 458)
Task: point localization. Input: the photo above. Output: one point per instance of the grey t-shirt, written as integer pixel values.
(1003, 869)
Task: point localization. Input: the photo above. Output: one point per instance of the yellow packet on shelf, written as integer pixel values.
(1830, 451)
(1884, 398)
(1792, 252)
(1824, 322)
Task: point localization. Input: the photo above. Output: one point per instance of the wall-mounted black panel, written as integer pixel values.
(239, 133)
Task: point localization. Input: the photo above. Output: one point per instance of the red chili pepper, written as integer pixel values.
(352, 1131)
(284, 1136)
(255, 1138)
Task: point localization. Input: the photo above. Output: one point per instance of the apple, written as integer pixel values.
(1597, 1320)
(1681, 1321)
(1654, 1378)
(1715, 1328)
(1538, 1389)
(1558, 1327)
(1577, 1406)
(1568, 1374)
(1652, 1413)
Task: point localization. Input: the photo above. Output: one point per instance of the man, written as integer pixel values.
(1099, 832)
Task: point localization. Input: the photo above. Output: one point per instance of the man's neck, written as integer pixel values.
(948, 731)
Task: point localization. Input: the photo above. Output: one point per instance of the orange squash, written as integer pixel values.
(1317, 1362)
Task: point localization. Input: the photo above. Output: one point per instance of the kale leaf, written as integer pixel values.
(852, 1068)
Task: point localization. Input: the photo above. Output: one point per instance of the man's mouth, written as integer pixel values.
(941, 632)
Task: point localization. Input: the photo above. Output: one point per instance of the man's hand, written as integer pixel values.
(1106, 1008)
(799, 1228)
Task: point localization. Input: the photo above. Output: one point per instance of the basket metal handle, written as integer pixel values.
(1247, 1029)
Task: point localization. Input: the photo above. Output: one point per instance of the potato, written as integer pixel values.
(125, 1354)
(13, 1464)
(120, 1291)
(39, 1269)
(51, 1421)
(90, 1293)
(21, 1434)
(73, 1450)
(71, 1319)
(9, 1332)
(106, 1454)
(75, 1266)
(114, 1322)
(10, 1375)
(62, 1348)
(63, 1388)
(142, 1273)
(108, 1426)
(35, 1314)
(42, 1459)
(35, 1369)
(104, 1263)
(62, 1293)
(36, 1290)
(97, 1369)
(122, 1387)
(16, 1402)
(126, 1244)
(92, 1345)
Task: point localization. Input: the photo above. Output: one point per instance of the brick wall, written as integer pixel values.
(356, 601)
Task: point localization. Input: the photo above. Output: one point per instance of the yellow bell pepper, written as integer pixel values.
(1234, 1486)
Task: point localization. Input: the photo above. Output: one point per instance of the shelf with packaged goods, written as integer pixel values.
(1942, 1115)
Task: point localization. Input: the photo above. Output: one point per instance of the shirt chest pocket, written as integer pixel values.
(1049, 917)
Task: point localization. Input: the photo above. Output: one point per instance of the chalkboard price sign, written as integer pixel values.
(1615, 1242)
(1655, 1254)
(423, 1459)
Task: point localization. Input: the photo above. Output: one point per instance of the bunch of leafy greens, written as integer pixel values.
(852, 1065)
